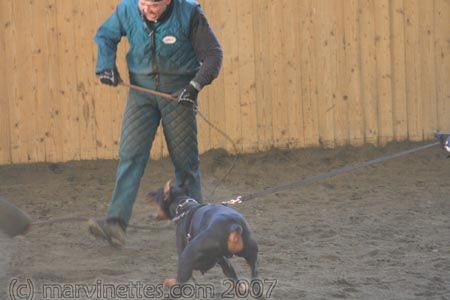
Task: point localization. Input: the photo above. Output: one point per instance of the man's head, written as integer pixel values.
(153, 9)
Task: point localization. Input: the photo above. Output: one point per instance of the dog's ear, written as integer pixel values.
(167, 190)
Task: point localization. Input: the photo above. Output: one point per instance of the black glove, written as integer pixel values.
(188, 96)
(110, 77)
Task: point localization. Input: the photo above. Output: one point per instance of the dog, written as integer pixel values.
(206, 234)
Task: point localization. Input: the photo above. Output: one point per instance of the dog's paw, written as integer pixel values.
(169, 282)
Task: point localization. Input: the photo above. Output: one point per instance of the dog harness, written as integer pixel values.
(180, 214)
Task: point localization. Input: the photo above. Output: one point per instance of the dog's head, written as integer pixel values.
(164, 200)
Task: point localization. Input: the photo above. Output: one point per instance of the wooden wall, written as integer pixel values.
(296, 73)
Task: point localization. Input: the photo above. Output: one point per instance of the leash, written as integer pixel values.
(315, 178)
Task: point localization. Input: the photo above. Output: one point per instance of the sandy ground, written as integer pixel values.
(382, 232)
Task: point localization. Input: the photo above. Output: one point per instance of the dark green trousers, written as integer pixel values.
(143, 114)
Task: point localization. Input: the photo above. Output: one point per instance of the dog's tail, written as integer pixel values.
(235, 241)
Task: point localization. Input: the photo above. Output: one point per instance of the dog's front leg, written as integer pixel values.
(193, 256)
(227, 268)
(185, 267)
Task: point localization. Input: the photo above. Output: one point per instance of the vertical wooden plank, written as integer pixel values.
(6, 23)
(292, 84)
(263, 73)
(308, 65)
(206, 95)
(5, 84)
(231, 72)
(384, 74)
(105, 96)
(11, 67)
(68, 79)
(368, 69)
(41, 65)
(427, 68)
(54, 134)
(413, 86)
(352, 75)
(25, 105)
(442, 56)
(204, 99)
(203, 128)
(326, 70)
(277, 51)
(400, 124)
(217, 102)
(203, 103)
(247, 83)
(341, 111)
(84, 26)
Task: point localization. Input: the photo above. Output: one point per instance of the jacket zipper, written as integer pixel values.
(155, 74)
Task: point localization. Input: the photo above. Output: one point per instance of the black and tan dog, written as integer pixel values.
(206, 235)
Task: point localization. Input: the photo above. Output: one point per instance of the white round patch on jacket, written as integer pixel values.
(169, 40)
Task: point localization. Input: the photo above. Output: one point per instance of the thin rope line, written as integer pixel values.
(311, 179)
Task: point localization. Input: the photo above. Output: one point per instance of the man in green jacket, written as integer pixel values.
(173, 50)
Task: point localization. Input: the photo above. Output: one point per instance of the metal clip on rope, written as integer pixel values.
(238, 200)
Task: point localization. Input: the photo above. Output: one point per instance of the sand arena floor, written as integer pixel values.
(382, 232)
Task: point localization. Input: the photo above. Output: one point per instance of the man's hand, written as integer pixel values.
(110, 77)
(188, 96)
